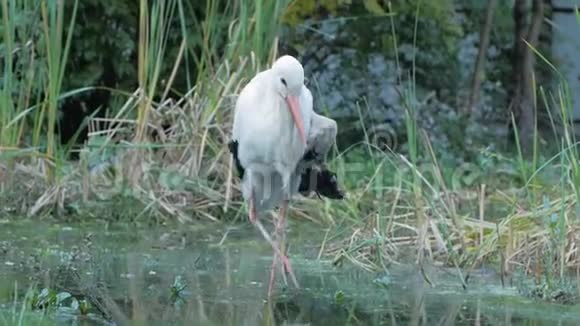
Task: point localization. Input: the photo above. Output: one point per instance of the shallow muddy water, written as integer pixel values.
(213, 275)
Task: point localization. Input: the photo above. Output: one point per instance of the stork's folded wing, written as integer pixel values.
(322, 134)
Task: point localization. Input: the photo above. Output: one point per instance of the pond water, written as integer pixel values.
(218, 275)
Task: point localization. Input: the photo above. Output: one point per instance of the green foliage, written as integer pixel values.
(105, 43)
(22, 73)
(57, 45)
(434, 48)
(34, 57)
(104, 38)
(49, 299)
(299, 10)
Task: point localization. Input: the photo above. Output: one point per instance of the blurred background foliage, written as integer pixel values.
(104, 48)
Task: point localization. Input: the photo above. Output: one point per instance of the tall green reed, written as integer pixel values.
(154, 27)
(19, 83)
(57, 50)
(32, 85)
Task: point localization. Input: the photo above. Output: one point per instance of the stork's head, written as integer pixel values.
(289, 76)
(288, 81)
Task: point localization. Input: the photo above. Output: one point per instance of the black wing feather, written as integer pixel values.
(233, 146)
(322, 182)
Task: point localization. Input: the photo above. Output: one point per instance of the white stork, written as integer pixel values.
(278, 143)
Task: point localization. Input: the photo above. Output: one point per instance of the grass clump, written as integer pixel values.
(19, 312)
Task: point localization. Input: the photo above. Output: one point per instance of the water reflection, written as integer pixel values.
(196, 277)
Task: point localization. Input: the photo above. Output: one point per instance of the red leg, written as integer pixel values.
(272, 273)
(277, 251)
(280, 228)
(279, 238)
(254, 219)
(252, 210)
(284, 271)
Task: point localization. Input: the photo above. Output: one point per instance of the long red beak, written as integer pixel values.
(296, 116)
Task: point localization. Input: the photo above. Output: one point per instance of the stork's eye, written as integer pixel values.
(283, 81)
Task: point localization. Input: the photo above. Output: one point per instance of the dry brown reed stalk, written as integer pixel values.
(192, 149)
(191, 154)
(517, 237)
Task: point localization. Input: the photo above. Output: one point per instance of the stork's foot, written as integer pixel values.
(288, 269)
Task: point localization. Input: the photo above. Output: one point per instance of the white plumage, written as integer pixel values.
(274, 128)
(269, 147)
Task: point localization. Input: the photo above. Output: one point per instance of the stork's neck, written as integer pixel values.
(279, 116)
